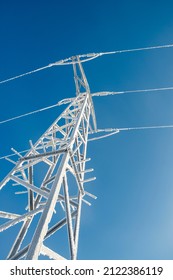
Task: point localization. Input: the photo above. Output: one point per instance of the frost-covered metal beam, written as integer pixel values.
(54, 173)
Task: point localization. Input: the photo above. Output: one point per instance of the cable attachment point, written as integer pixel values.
(108, 131)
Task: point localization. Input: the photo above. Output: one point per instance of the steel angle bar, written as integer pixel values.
(4, 181)
(48, 180)
(20, 254)
(48, 175)
(91, 195)
(77, 224)
(74, 133)
(69, 117)
(8, 215)
(20, 218)
(50, 253)
(50, 232)
(16, 152)
(77, 148)
(61, 198)
(20, 237)
(22, 192)
(74, 111)
(69, 219)
(30, 192)
(80, 186)
(47, 154)
(82, 161)
(23, 175)
(29, 186)
(59, 225)
(70, 169)
(89, 180)
(69, 124)
(88, 91)
(42, 227)
(86, 171)
(61, 130)
(27, 165)
(10, 160)
(32, 146)
(81, 137)
(86, 202)
(72, 203)
(43, 145)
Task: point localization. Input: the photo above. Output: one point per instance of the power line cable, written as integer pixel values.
(105, 93)
(110, 132)
(25, 74)
(146, 127)
(134, 128)
(64, 101)
(85, 57)
(30, 113)
(137, 49)
(67, 100)
(66, 61)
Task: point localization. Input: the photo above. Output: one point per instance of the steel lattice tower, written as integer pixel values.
(61, 155)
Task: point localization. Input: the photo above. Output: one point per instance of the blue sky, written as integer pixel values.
(132, 217)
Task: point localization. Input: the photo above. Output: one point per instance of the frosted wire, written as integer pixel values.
(91, 56)
(111, 132)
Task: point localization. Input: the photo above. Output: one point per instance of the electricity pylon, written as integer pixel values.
(58, 159)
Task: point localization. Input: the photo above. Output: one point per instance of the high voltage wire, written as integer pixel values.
(58, 63)
(27, 114)
(25, 74)
(137, 49)
(146, 127)
(85, 57)
(65, 101)
(112, 131)
(105, 93)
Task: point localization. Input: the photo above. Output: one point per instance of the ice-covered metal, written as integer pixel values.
(58, 159)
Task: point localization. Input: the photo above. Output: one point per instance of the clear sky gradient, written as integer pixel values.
(133, 215)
